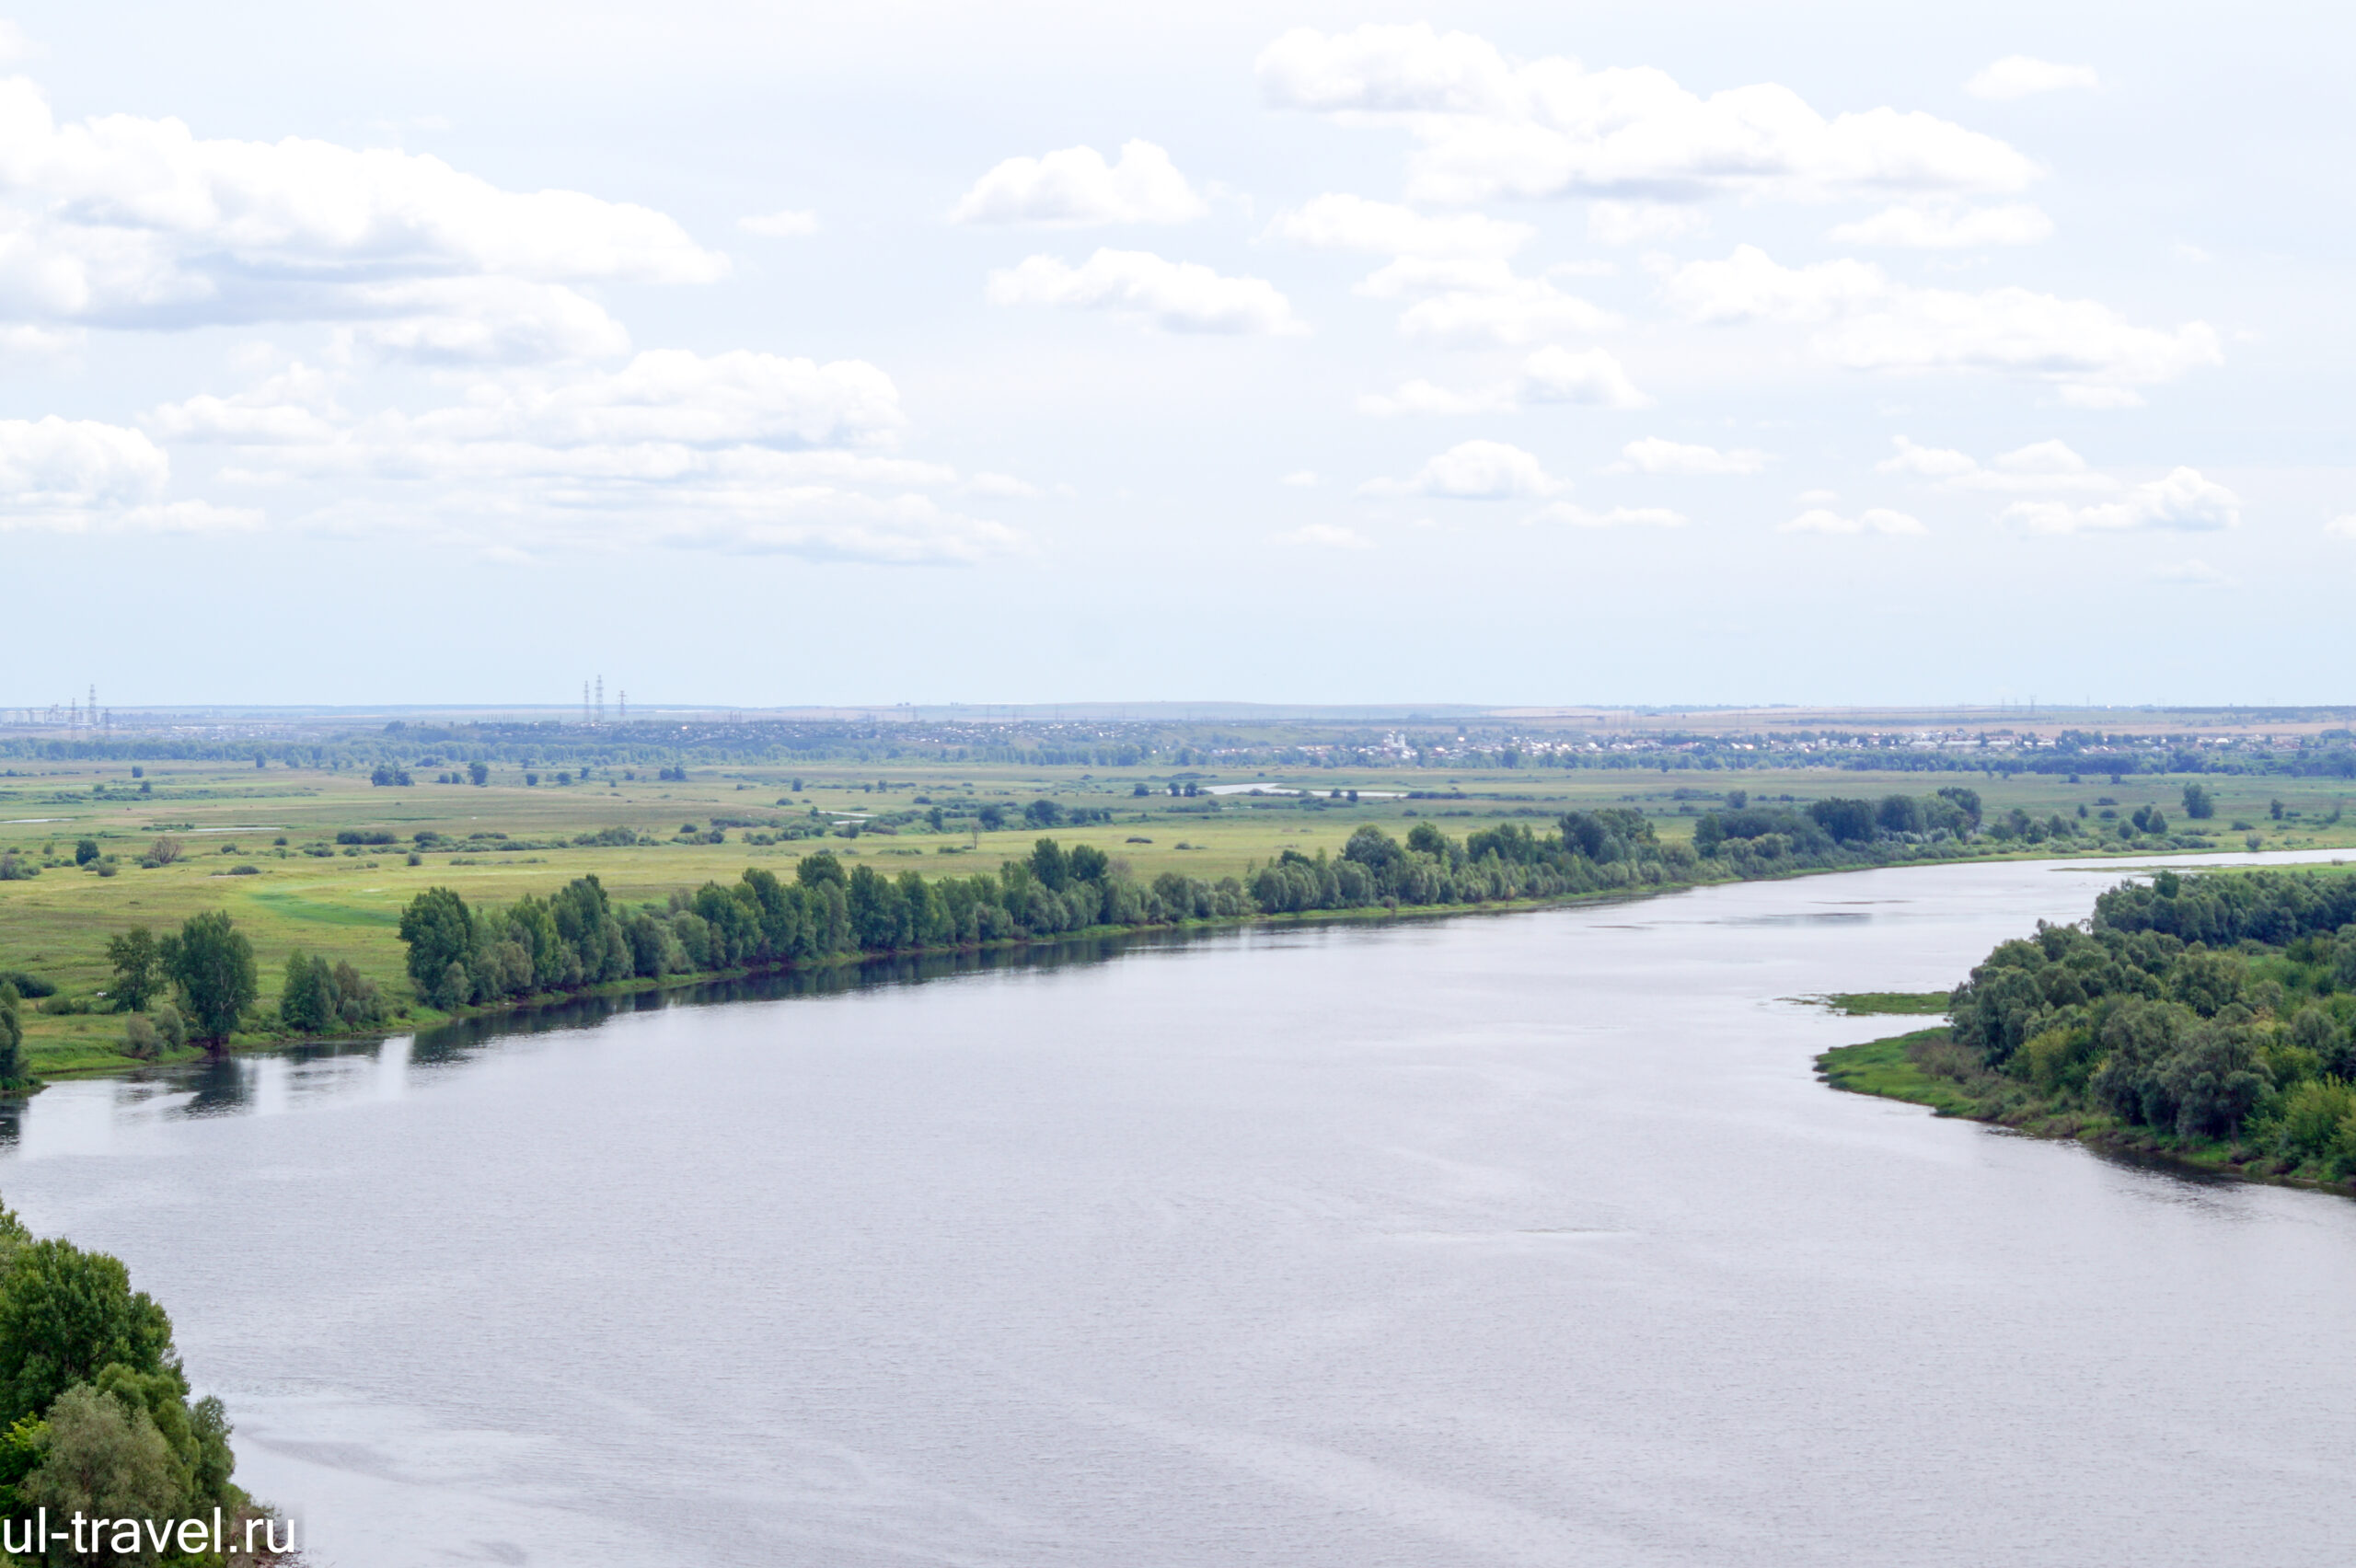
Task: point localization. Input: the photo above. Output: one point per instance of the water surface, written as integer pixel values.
(1512, 1240)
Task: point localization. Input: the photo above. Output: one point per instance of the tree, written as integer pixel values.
(440, 931)
(213, 964)
(2274, 809)
(1043, 813)
(12, 1034)
(478, 773)
(100, 1457)
(164, 851)
(85, 851)
(306, 1002)
(138, 968)
(65, 1315)
(2198, 803)
(1848, 821)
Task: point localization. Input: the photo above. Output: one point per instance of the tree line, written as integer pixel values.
(2215, 1009)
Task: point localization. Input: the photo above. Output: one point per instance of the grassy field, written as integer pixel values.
(305, 891)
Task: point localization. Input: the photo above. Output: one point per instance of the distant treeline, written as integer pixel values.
(460, 954)
(1168, 747)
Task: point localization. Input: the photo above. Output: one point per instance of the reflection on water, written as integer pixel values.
(85, 1116)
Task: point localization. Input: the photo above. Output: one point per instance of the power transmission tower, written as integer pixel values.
(625, 714)
(601, 699)
(584, 702)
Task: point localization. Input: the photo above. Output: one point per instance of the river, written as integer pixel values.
(1518, 1239)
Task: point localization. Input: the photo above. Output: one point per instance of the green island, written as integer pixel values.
(2207, 1018)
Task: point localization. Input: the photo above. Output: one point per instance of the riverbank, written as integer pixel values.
(1930, 1067)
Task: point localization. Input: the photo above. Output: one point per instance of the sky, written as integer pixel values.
(770, 355)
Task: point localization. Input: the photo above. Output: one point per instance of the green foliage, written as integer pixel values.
(65, 1316)
(138, 961)
(85, 851)
(2210, 1007)
(11, 1037)
(213, 964)
(2198, 803)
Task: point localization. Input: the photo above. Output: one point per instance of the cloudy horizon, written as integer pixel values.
(1477, 353)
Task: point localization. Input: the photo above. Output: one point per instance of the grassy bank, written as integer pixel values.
(1930, 1067)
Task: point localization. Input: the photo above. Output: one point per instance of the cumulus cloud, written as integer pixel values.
(739, 451)
(132, 223)
(1300, 479)
(82, 476)
(2194, 572)
(1489, 127)
(1873, 520)
(2018, 75)
(1565, 513)
(1656, 454)
(1928, 226)
(1636, 222)
(786, 224)
(1472, 302)
(1872, 322)
(2183, 500)
(2343, 525)
(1353, 222)
(1076, 188)
(1328, 536)
(1473, 470)
(2044, 465)
(1553, 375)
(1177, 297)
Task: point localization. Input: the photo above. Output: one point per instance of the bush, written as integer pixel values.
(141, 1038)
(165, 851)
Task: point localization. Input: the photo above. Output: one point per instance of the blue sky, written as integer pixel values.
(770, 355)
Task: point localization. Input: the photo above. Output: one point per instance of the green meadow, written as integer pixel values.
(263, 844)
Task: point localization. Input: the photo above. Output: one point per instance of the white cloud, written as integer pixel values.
(1873, 520)
(1657, 455)
(1562, 512)
(2018, 75)
(2044, 465)
(1421, 397)
(81, 476)
(1553, 375)
(1076, 187)
(1928, 462)
(1874, 323)
(1927, 226)
(2343, 525)
(1557, 375)
(786, 224)
(1353, 222)
(1300, 479)
(1002, 487)
(1503, 312)
(2183, 500)
(1473, 470)
(132, 223)
(1633, 223)
(1328, 536)
(2194, 573)
(1177, 297)
(1490, 127)
(740, 452)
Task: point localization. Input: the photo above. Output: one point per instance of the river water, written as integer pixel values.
(1523, 1240)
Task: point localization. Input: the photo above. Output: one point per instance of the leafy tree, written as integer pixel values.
(85, 851)
(440, 931)
(12, 1034)
(100, 1457)
(1049, 865)
(478, 773)
(164, 851)
(2274, 809)
(1849, 821)
(307, 1001)
(2198, 803)
(1043, 813)
(65, 1315)
(213, 964)
(138, 962)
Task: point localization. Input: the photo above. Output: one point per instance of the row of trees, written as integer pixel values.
(461, 954)
(2212, 1007)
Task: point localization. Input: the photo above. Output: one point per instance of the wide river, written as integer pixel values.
(1517, 1239)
